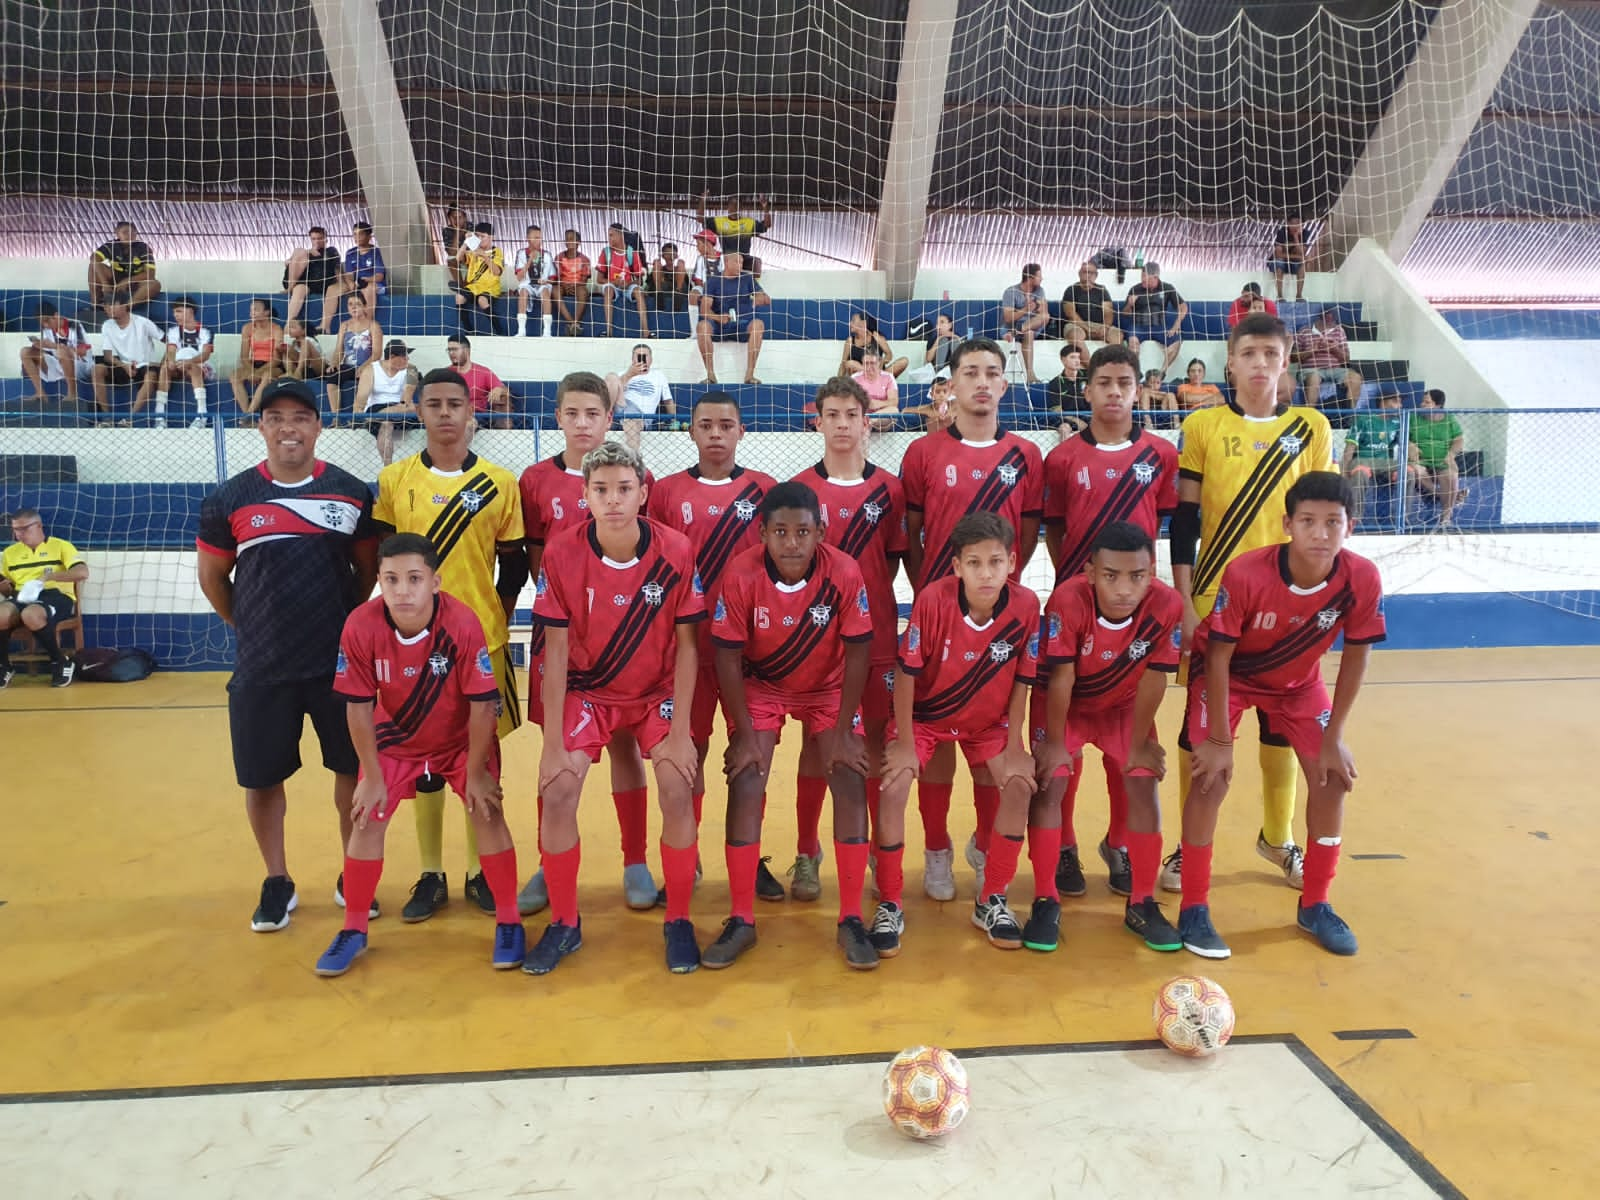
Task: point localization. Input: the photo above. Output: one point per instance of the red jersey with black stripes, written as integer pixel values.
(1283, 630)
(866, 518)
(621, 617)
(793, 634)
(1089, 484)
(1110, 657)
(947, 477)
(424, 685)
(720, 517)
(965, 671)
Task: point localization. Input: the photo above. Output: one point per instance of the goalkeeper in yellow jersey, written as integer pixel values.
(1236, 462)
(471, 510)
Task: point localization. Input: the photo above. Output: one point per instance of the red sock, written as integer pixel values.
(809, 793)
(500, 872)
(361, 877)
(1069, 804)
(633, 818)
(1321, 865)
(850, 861)
(677, 865)
(1117, 790)
(743, 859)
(1044, 848)
(699, 802)
(1144, 860)
(1196, 875)
(1000, 868)
(933, 802)
(986, 799)
(892, 873)
(874, 790)
(561, 880)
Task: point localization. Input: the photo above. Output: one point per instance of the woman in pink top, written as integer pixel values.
(883, 398)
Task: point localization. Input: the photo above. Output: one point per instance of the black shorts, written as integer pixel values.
(122, 375)
(58, 606)
(266, 721)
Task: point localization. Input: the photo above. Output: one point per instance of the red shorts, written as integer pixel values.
(1108, 730)
(877, 698)
(769, 708)
(703, 712)
(591, 724)
(1298, 717)
(400, 775)
(977, 747)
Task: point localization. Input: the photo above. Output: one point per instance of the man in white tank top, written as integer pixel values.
(385, 391)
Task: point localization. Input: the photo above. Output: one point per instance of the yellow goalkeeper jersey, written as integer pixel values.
(466, 514)
(1245, 465)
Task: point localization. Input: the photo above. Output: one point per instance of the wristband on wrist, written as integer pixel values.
(1216, 741)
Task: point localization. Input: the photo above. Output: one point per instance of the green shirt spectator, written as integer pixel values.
(1374, 439)
(1436, 435)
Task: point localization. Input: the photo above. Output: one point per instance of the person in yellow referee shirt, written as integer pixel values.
(37, 578)
(471, 510)
(1236, 462)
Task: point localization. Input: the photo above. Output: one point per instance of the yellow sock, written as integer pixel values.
(428, 808)
(1279, 771)
(473, 865)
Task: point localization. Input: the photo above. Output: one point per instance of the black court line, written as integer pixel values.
(1377, 858)
(1373, 1035)
(1364, 1112)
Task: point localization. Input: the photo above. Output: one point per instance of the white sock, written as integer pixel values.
(200, 400)
(161, 402)
(522, 324)
(546, 321)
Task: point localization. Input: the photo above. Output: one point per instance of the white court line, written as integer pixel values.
(1255, 1121)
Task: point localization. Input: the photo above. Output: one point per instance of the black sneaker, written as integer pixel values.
(858, 949)
(555, 943)
(1148, 921)
(373, 912)
(477, 890)
(428, 895)
(1116, 861)
(767, 885)
(1043, 930)
(61, 674)
(278, 900)
(683, 952)
(888, 923)
(7, 674)
(1199, 935)
(737, 936)
(1069, 873)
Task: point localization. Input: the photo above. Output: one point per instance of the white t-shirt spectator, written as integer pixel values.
(136, 344)
(643, 395)
(189, 342)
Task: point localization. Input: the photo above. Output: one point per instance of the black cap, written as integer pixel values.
(390, 349)
(286, 388)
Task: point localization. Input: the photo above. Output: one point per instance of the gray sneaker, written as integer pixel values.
(534, 896)
(737, 936)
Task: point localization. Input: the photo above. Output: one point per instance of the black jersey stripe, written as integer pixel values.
(618, 652)
(453, 520)
(1101, 683)
(1121, 502)
(859, 533)
(802, 643)
(988, 499)
(1216, 551)
(941, 706)
(1298, 642)
(726, 535)
(410, 717)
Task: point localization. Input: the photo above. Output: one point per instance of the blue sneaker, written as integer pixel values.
(555, 943)
(638, 887)
(341, 954)
(1328, 927)
(683, 952)
(510, 946)
(534, 896)
(1199, 935)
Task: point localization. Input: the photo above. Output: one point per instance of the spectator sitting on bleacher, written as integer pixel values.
(314, 271)
(1087, 312)
(124, 266)
(363, 267)
(300, 354)
(1194, 392)
(1066, 389)
(60, 351)
(1436, 440)
(707, 262)
(620, 270)
(573, 271)
(484, 387)
(1244, 305)
(38, 590)
(1148, 303)
(1024, 312)
(360, 337)
(669, 279)
(1372, 456)
(864, 334)
(384, 395)
(260, 342)
(1289, 256)
(735, 232)
(188, 356)
(640, 391)
(941, 344)
(1323, 356)
(453, 235)
(536, 273)
(1153, 397)
(883, 398)
(935, 412)
(129, 346)
(727, 315)
(482, 263)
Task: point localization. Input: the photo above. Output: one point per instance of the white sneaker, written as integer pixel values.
(1172, 871)
(200, 423)
(975, 859)
(1288, 858)
(938, 874)
(159, 423)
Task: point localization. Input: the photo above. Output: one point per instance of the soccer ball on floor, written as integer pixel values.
(1194, 1016)
(925, 1092)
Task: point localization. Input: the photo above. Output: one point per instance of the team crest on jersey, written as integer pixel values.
(665, 709)
(470, 500)
(999, 651)
(1324, 717)
(913, 638)
(438, 663)
(341, 664)
(653, 594)
(722, 611)
(821, 614)
(888, 682)
(485, 668)
(337, 516)
(863, 606)
(1144, 472)
(745, 510)
(1221, 601)
(1290, 444)
(1008, 474)
(871, 511)
(1327, 619)
(1138, 649)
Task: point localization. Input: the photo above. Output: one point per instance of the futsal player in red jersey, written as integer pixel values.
(1113, 470)
(864, 514)
(618, 598)
(792, 626)
(552, 501)
(1277, 612)
(1112, 635)
(967, 662)
(421, 698)
(973, 466)
(714, 504)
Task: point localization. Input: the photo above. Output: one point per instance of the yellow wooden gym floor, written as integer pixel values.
(128, 876)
